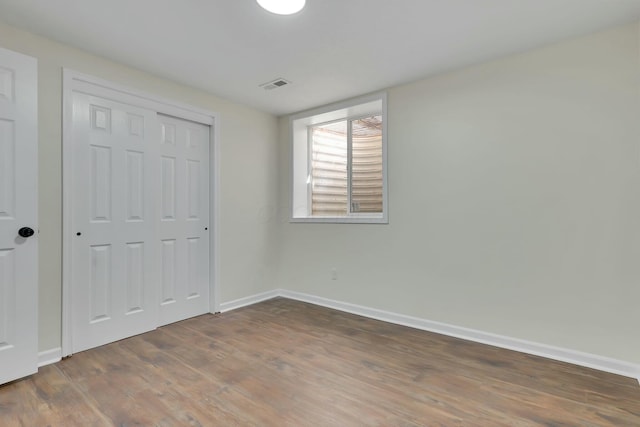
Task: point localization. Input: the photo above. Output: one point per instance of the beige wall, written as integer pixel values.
(514, 197)
(514, 208)
(248, 183)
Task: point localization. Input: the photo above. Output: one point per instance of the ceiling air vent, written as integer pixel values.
(275, 84)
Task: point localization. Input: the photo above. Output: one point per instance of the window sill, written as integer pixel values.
(359, 219)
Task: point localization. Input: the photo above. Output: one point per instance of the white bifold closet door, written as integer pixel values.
(140, 209)
(183, 219)
(114, 260)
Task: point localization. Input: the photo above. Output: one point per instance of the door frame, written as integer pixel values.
(73, 81)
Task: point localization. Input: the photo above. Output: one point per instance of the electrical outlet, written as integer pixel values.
(334, 274)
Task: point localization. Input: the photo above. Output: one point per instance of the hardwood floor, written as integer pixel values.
(287, 363)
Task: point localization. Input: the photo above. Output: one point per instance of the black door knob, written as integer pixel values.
(26, 232)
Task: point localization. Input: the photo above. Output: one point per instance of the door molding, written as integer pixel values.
(73, 81)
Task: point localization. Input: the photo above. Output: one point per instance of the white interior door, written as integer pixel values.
(139, 219)
(18, 210)
(183, 219)
(114, 255)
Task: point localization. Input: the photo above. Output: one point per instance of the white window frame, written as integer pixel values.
(299, 128)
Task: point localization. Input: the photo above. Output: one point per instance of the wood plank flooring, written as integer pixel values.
(287, 363)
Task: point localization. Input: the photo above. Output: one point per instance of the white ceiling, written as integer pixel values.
(332, 50)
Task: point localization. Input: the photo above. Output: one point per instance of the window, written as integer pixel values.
(339, 163)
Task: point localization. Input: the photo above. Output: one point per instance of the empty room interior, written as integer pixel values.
(327, 213)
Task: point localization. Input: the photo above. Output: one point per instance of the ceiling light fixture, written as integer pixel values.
(282, 7)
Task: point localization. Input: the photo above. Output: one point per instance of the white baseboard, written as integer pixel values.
(588, 360)
(49, 357)
(252, 299)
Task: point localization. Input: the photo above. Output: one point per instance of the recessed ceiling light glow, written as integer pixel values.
(282, 7)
